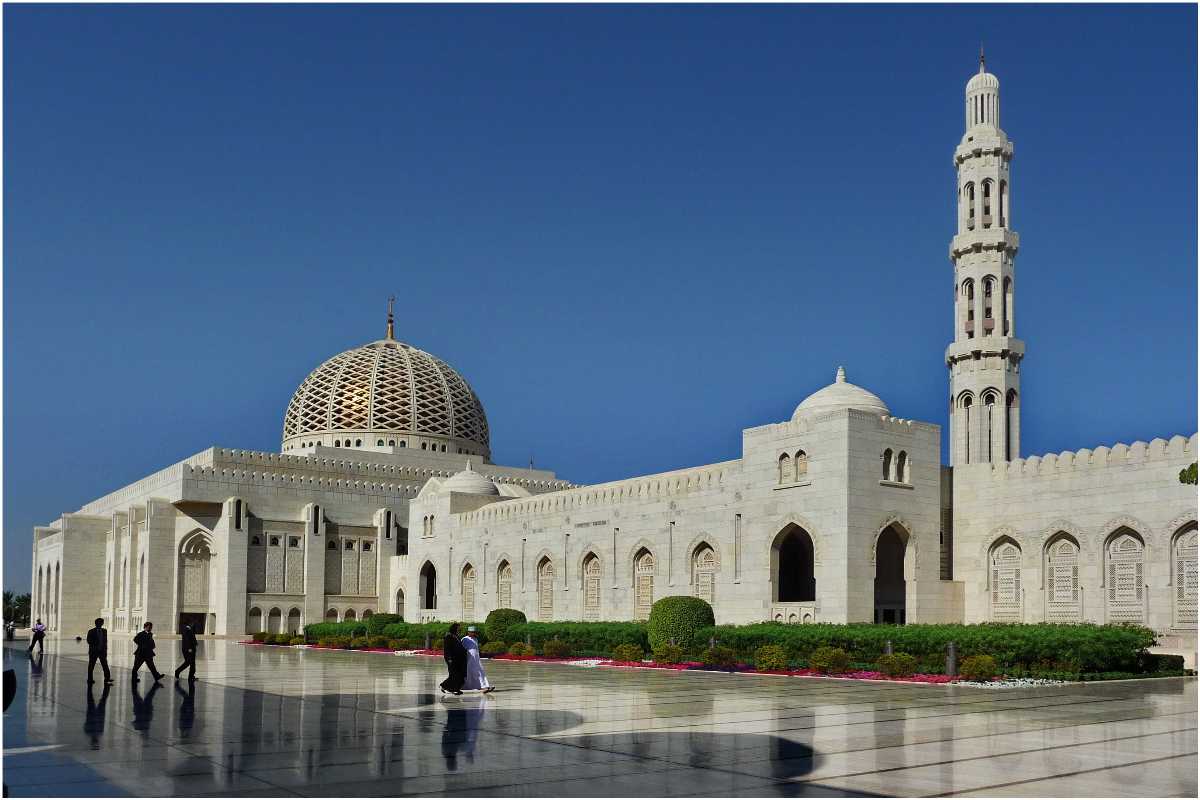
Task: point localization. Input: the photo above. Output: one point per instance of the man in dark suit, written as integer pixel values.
(189, 653)
(97, 640)
(456, 661)
(144, 652)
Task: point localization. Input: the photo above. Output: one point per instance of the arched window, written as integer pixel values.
(194, 562)
(1125, 581)
(254, 621)
(1006, 308)
(331, 615)
(358, 442)
(989, 424)
(887, 464)
(1183, 551)
(337, 442)
(331, 545)
(966, 402)
(428, 587)
(1010, 432)
(989, 290)
(591, 587)
(379, 442)
(801, 464)
(785, 469)
(902, 467)
(400, 603)
(545, 575)
(274, 621)
(467, 585)
(504, 585)
(704, 573)
(367, 613)
(1004, 582)
(970, 192)
(1062, 578)
(349, 615)
(643, 583)
(987, 204)
(1003, 201)
(968, 291)
(293, 621)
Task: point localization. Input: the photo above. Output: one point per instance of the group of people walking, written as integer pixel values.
(143, 652)
(463, 662)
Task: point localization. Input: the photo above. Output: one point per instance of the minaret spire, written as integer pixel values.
(391, 328)
(982, 63)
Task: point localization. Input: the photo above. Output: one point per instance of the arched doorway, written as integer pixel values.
(254, 621)
(331, 615)
(293, 621)
(400, 603)
(274, 621)
(1183, 550)
(545, 573)
(504, 585)
(195, 557)
(643, 583)
(891, 548)
(467, 585)
(349, 616)
(591, 587)
(428, 587)
(793, 566)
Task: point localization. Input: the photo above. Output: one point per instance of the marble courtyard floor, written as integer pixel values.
(280, 721)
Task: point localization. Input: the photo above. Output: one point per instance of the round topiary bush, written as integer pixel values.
(771, 657)
(668, 654)
(977, 668)
(719, 657)
(377, 622)
(499, 621)
(627, 652)
(677, 618)
(897, 665)
(554, 648)
(829, 660)
(520, 649)
(493, 649)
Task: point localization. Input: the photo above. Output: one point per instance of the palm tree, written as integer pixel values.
(16, 607)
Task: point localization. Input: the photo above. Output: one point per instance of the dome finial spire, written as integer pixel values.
(982, 63)
(841, 375)
(391, 331)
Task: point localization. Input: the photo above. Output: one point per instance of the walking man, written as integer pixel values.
(144, 652)
(39, 634)
(189, 653)
(97, 640)
(456, 661)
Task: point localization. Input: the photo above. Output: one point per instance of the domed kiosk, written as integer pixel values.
(385, 395)
(838, 395)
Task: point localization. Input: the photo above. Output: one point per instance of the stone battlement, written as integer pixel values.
(1102, 457)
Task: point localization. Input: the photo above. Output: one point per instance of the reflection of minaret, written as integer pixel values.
(985, 356)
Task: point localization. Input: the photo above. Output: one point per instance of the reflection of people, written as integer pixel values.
(143, 710)
(456, 661)
(35, 665)
(462, 726)
(144, 652)
(93, 721)
(38, 637)
(97, 640)
(188, 646)
(187, 709)
(476, 679)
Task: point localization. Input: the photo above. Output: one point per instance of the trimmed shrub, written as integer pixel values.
(520, 649)
(978, 668)
(297, 640)
(342, 642)
(628, 652)
(493, 649)
(668, 654)
(718, 657)
(397, 644)
(319, 630)
(359, 642)
(584, 638)
(282, 638)
(556, 649)
(771, 657)
(260, 636)
(678, 618)
(897, 665)
(499, 621)
(829, 660)
(377, 622)
(377, 641)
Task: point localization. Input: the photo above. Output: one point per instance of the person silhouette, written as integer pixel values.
(144, 652)
(97, 641)
(38, 637)
(188, 648)
(187, 708)
(143, 707)
(93, 720)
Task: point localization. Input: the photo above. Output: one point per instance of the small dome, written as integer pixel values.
(983, 80)
(839, 395)
(469, 482)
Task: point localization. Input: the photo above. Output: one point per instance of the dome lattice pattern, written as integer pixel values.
(387, 386)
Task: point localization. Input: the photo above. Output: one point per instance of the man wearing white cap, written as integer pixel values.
(475, 677)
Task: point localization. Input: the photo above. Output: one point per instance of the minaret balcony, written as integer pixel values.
(978, 144)
(988, 326)
(984, 239)
(985, 347)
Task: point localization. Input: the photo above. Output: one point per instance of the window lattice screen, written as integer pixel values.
(1126, 580)
(1062, 573)
(387, 386)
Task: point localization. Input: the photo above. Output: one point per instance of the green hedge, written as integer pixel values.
(584, 638)
(1042, 647)
(377, 622)
(414, 632)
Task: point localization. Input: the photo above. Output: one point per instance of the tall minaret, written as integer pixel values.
(985, 356)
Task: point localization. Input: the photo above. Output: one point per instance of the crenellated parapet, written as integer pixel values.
(1156, 450)
(650, 487)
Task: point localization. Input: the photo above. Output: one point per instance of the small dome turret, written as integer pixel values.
(840, 395)
(469, 482)
(983, 97)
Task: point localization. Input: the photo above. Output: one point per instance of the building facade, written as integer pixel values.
(384, 498)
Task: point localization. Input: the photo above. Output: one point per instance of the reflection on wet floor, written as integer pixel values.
(279, 721)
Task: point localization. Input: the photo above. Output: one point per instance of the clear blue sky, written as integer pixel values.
(635, 230)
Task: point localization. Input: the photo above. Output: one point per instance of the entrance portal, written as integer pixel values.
(890, 587)
(195, 620)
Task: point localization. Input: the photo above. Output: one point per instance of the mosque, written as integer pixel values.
(383, 497)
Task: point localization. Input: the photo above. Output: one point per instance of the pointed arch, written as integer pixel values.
(643, 583)
(545, 588)
(801, 465)
(1060, 570)
(428, 587)
(1005, 591)
(1183, 575)
(1124, 576)
(466, 585)
(705, 566)
(504, 580)
(785, 469)
(894, 556)
(793, 565)
(591, 573)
